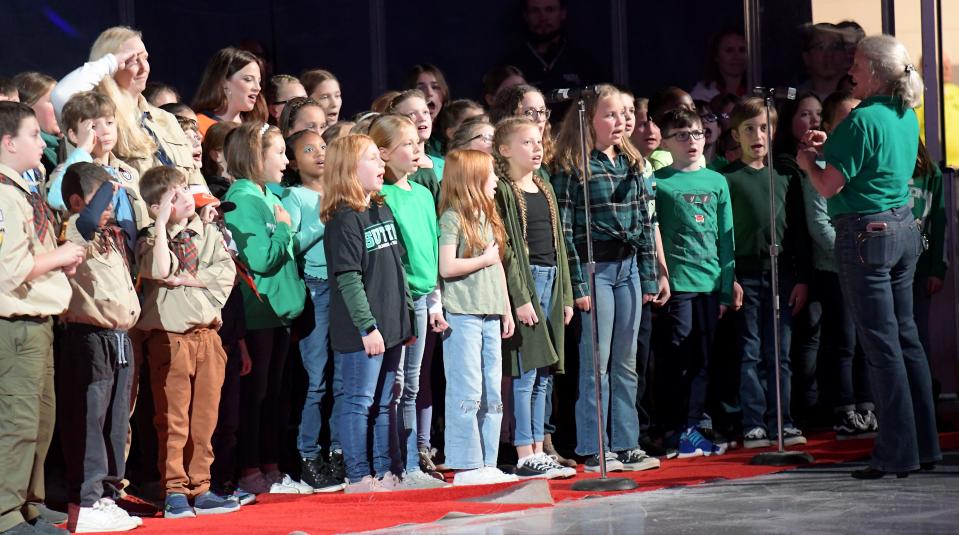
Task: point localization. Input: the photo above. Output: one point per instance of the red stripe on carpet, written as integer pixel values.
(339, 513)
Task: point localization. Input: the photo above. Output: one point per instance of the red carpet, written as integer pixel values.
(338, 513)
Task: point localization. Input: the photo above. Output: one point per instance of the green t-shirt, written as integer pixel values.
(696, 223)
(480, 292)
(749, 195)
(415, 215)
(875, 149)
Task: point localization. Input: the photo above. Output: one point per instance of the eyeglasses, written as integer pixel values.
(684, 136)
(535, 114)
(487, 138)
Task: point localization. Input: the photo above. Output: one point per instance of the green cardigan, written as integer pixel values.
(542, 344)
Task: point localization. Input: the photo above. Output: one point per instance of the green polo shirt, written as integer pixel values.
(875, 149)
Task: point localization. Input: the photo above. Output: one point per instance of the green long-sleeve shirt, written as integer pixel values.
(696, 223)
(928, 205)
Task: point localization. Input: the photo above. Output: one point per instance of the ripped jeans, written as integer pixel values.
(473, 361)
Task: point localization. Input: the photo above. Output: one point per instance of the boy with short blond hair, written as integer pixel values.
(187, 277)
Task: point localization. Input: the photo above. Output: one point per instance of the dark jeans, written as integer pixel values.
(847, 385)
(93, 409)
(228, 421)
(691, 318)
(643, 341)
(876, 271)
(262, 421)
(804, 351)
(757, 392)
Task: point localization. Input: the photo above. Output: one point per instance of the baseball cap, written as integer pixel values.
(203, 199)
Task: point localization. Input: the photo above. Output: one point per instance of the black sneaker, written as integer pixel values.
(426, 461)
(849, 425)
(651, 447)
(870, 423)
(613, 463)
(636, 460)
(315, 473)
(337, 466)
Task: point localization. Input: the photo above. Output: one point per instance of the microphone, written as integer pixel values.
(562, 95)
(780, 93)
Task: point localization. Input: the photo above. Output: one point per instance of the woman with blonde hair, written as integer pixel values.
(146, 135)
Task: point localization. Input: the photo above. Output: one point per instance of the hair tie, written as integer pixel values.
(264, 128)
(909, 68)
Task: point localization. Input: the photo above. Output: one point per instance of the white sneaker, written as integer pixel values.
(284, 484)
(119, 512)
(390, 481)
(419, 479)
(486, 475)
(367, 484)
(100, 518)
(556, 470)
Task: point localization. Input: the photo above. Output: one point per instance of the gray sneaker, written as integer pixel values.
(391, 482)
(421, 480)
(367, 484)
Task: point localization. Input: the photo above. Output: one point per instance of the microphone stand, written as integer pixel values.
(603, 483)
(781, 457)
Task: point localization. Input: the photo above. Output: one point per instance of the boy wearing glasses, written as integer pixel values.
(696, 223)
(748, 180)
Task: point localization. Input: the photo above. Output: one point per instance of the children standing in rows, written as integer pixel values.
(33, 288)
(622, 236)
(256, 156)
(697, 233)
(188, 275)
(307, 154)
(94, 392)
(748, 181)
(371, 315)
(478, 311)
(412, 207)
(539, 288)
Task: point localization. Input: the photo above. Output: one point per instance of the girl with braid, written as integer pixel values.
(538, 285)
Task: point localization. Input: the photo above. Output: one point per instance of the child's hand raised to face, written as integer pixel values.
(208, 213)
(87, 136)
(165, 208)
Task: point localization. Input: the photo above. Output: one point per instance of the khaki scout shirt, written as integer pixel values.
(129, 178)
(103, 292)
(173, 141)
(46, 295)
(179, 309)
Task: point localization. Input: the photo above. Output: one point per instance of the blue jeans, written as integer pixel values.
(530, 388)
(618, 306)
(369, 394)
(473, 364)
(315, 352)
(876, 270)
(757, 394)
(408, 379)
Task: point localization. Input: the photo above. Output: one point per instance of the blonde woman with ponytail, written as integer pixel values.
(538, 285)
(146, 135)
(870, 158)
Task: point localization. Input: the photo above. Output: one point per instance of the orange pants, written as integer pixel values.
(186, 374)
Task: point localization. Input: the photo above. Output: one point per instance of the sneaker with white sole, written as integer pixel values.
(756, 438)
(254, 483)
(177, 506)
(636, 460)
(613, 463)
(367, 484)
(101, 517)
(561, 471)
(486, 475)
(209, 503)
(390, 481)
(792, 436)
(531, 467)
(419, 479)
(284, 484)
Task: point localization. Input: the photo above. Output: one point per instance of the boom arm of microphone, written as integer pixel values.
(776, 93)
(570, 93)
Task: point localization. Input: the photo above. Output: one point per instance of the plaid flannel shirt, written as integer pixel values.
(620, 210)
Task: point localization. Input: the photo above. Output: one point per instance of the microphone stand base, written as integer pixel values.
(782, 458)
(605, 484)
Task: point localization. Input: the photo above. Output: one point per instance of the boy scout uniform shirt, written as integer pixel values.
(45, 295)
(103, 292)
(179, 309)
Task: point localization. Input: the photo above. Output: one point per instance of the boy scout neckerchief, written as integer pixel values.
(186, 251)
(42, 214)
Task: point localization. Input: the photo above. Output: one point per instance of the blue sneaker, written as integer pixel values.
(693, 444)
(177, 506)
(211, 504)
(242, 497)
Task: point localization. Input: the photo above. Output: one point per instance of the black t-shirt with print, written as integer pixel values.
(367, 243)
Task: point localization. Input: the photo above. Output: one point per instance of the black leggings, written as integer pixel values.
(262, 418)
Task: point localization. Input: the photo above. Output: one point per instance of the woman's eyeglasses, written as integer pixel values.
(535, 114)
(487, 138)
